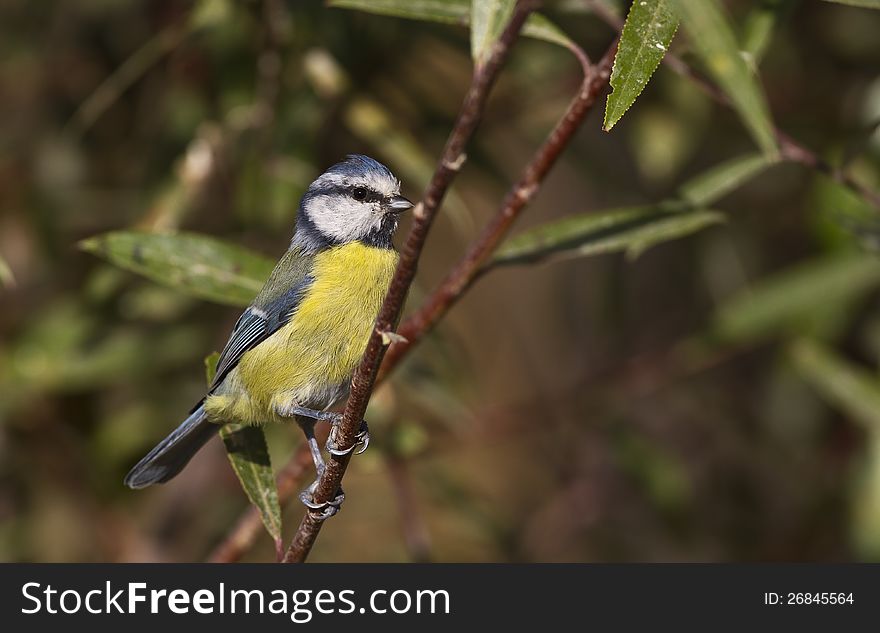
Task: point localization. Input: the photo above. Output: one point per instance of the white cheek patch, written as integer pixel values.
(342, 217)
(333, 210)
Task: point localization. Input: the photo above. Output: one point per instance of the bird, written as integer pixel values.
(293, 351)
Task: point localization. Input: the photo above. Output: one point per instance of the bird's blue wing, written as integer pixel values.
(273, 307)
(252, 328)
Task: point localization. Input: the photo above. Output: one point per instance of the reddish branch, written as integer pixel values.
(453, 156)
(520, 194)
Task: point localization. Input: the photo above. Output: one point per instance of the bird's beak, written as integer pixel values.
(398, 204)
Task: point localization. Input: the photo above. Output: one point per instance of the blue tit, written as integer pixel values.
(292, 353)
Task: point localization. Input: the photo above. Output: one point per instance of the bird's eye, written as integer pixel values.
(359, 193)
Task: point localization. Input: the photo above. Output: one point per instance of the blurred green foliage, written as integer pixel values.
(194, 264)
(710, 400)
(716, 43)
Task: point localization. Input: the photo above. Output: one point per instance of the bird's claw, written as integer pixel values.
(326, 513)
(362, 440)
(323, 510)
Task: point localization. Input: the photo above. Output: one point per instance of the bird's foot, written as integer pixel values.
(326, 509)
(362, 439)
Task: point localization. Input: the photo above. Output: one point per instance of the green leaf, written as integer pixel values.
(451, 12)
(211, 361)
(855, 391)
(249, 456)
(631, 230)
(195, 264)
(758, 28)
(647, 33)
(715, 183)
(539, 27)
(488, 19)
(448, 11)
(716, 44)
(797, 297)
(634, 229)
(842, 216)
(867, 4)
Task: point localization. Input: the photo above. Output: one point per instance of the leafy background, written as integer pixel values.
(712, 397)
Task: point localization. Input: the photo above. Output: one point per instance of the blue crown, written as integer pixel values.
(357, 165)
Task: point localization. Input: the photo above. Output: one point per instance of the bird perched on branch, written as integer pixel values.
(292, 353)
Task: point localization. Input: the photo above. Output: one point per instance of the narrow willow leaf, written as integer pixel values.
(6, 277)
(716, 44)
(195, 264)
(249, 456)
(795, 298)
(211, 361)
(844, 216)
(647, 33)
(448, 11)
(867, 4)
(631, 230)
(758, 27)
(488, 19)
(854, 391)
(712, 185)
(539, 27)
(451, 12)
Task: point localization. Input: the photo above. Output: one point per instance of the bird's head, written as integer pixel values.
(357, 199)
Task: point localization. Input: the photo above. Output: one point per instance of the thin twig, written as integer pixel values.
(468, 269)
(796, 152)
(364, 378)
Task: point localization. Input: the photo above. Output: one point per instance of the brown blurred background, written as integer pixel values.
(583, 410)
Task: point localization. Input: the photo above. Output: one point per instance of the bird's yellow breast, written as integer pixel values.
(319, 348)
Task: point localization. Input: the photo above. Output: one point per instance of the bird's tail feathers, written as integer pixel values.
(174, 452)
